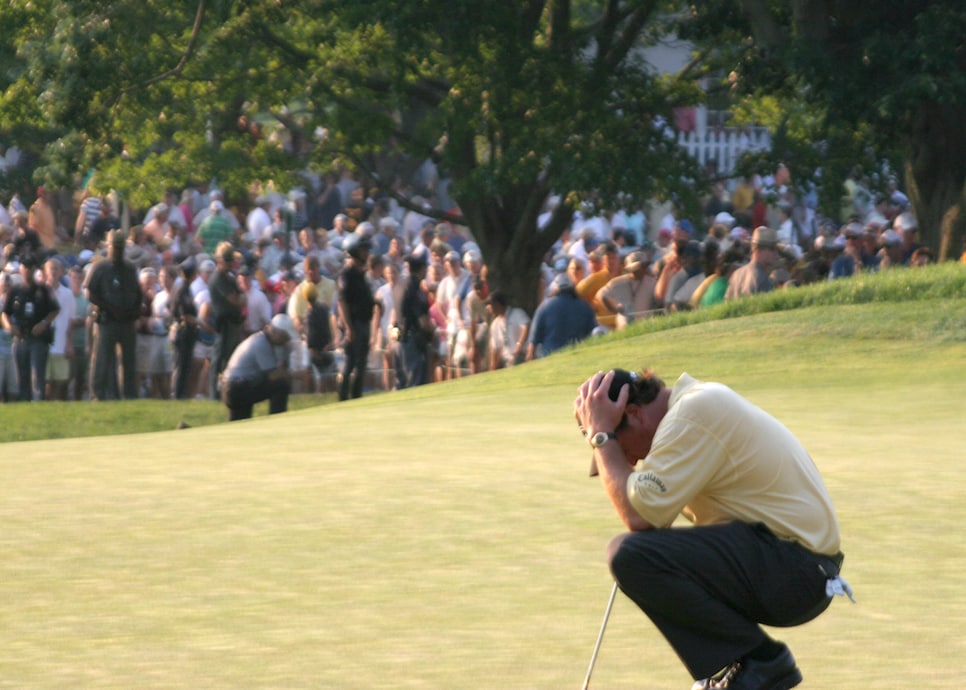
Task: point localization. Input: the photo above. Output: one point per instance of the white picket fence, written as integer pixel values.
(724, 145)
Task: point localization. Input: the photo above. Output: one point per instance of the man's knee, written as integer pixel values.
(630, 557)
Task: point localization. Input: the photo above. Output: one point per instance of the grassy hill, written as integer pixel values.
(448, 536)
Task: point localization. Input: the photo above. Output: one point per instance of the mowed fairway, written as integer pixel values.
(449, 537)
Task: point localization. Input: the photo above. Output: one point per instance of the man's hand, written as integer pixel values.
(593, 408)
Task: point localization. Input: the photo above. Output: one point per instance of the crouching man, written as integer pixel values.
(764, 548)
(258, 370)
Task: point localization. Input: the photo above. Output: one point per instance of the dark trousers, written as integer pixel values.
(30, 354)
(240, 396)
(356, 359)
(108, 335)
(226, 340)
(184, 347)
(709, 589)
(414, 362)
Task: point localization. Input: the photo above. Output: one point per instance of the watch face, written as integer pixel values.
(599, 439)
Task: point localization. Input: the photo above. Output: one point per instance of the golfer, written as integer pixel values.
(764, 546)
(258, 370)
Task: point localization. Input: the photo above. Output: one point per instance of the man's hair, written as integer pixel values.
(644, 388)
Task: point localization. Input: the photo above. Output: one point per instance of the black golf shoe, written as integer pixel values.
(779, 673)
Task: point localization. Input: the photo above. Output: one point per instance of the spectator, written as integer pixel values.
(144, 336)
(157, 228)
(62, 343)
(563, 319)
(630, 296)
(417, 330)
(80, 330)
(113, 290)
(849, 261)
(29, 313)
(26, 242)
(908, 228)
(90, 210)
(670, 263)
(205, 269)
(258, 370)
(259, 220)
(589, 288)
(102, 224)
(326, 287)
(753, 277)
(712, 290)
(41, 219)
(184, 317)
(508, 332)
(386, 299)
(227, 306)
(318, 333)
(696, 263)
(356, 305)
(161, 362)
(215, 229)
(447, 302)
(9, 388)
(891, 253)
(258, 310)
(922, 256)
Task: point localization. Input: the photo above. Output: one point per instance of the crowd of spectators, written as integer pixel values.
(382, 297)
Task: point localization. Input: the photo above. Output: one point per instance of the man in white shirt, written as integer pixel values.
(61, 349)
(259, 221)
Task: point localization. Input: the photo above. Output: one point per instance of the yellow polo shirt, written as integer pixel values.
(717, 458)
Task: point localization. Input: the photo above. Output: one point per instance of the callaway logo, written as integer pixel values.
(650, 481)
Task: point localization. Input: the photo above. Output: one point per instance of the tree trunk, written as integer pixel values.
(513, 249)
(936, 176)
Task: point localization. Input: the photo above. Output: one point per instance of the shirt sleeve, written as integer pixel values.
(684, 457)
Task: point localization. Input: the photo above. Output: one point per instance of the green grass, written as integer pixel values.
(448, 537)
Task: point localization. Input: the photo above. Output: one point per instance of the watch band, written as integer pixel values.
(600, 438)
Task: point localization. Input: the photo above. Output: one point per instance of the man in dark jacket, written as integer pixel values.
(113, 289)
(356, 305)
(28, 314)
(228, 307)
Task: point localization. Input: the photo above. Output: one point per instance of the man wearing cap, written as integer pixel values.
(630, 296)
(891, 253)
(258, 370)
(28, 313)
(908, 228)
(113, 289)
(562, 319)
(215, 229)
(356, 306)
(764, 548)
(753, 277)
(590, 287)
(228, 309)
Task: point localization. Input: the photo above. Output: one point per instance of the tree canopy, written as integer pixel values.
(515, 101)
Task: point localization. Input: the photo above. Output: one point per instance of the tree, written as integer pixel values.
(516, 101)
(883, 80)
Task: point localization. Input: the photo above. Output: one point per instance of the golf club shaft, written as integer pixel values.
(600, 636)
